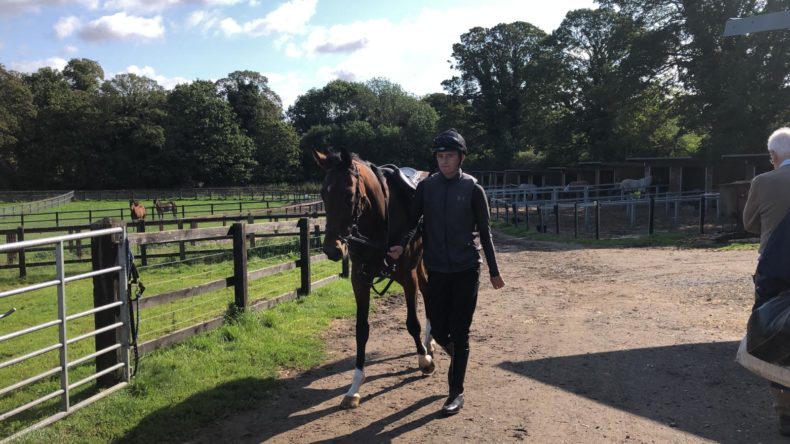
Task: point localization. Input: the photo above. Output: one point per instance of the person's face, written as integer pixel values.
(449, 162)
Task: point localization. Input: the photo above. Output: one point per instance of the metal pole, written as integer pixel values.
(597, 220)
(64, 370)
(123, 287)
(556, 218)
(702, 214)
(575, 220)
(651, 216)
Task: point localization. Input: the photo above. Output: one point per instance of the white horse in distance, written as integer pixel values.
(633, 185)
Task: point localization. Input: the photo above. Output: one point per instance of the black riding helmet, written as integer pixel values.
(449, 140)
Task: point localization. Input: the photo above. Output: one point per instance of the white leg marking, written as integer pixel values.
(356, 382)
(425, 360)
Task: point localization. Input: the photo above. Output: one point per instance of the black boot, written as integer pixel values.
(453, 405)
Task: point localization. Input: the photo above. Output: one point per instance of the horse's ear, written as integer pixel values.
(320, 158)
(345, 156)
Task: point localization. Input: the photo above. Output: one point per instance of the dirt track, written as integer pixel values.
(583, 345)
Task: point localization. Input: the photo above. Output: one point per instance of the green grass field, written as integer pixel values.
(655, 240)
(40, 306)
(232, 369)
(85, 212)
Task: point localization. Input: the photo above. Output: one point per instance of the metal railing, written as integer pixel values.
(64, 341)
(32, 207)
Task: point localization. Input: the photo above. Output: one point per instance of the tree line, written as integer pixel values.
(631, 78)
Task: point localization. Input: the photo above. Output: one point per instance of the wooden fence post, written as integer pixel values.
(79, 246)
(104, 254)
(240, 282)
(182, 250)
(597, 220)
(143, 248)
(10, 239)
(192, 224)
(651, 223)
(304, 255)
(20, 236)
(556, 219)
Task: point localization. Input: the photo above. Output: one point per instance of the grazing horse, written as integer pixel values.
(628, 186)
(529, 189)
(364, 215)
(137, 209)
(163, 207)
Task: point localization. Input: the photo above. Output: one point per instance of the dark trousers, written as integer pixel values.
(450, 305)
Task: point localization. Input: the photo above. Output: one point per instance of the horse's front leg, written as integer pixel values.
(362, 297)
(424, 349)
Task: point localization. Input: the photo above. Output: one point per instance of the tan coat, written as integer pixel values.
(768, 203)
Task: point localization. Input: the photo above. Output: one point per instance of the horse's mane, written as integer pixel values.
(336, 164)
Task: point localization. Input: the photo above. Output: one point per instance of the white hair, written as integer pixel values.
(779, 142)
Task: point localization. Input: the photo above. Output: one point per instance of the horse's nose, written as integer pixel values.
(333, 250)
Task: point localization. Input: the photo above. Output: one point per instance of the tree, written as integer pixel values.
(337, 102)
(204, 142)
(133, 137)
(259, 113)
(736, 88)
(16, 112)
(610, 82)
(84, 74)
(493, 64)
(59, 150)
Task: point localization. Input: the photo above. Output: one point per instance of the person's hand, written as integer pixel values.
(395, 252)
(497, 282)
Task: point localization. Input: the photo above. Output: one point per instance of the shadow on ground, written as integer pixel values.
(275, 409)
(697, 388)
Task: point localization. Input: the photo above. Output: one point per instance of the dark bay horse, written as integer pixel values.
(137, 209)
(164, 207)
(363, 217)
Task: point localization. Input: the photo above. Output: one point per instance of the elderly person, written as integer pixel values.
(766, 207)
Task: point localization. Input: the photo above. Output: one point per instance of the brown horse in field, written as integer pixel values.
(137, 209)
(367, 210)
(164, 207)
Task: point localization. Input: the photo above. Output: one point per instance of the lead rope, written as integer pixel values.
(134, 303)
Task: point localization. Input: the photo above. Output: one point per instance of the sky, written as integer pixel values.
(296, 44)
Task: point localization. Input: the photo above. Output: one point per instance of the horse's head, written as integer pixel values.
(345, 195)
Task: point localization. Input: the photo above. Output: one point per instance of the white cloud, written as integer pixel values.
(203, 19)
(121, 27)
(288, 86)
(155, 6)
(34, 65)
(9, 8)
(289, 18)
(415, 52)
(147, 71)
(66, 26)
(71, 49)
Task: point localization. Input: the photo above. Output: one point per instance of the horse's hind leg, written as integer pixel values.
(427, 366)
(362, 297)
(422, 283)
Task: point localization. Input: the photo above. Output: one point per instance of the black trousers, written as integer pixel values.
(450, 305)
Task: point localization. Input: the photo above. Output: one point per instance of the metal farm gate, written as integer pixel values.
(117, 236)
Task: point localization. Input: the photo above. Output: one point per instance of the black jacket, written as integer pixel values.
(453, 210)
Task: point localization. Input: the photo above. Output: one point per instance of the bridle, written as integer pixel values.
(356, 237)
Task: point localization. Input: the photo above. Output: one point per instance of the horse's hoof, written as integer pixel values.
(428, 370)
(350, 402)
